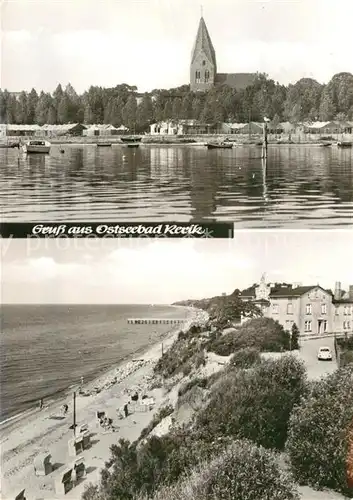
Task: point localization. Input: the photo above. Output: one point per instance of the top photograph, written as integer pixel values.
(155, 111)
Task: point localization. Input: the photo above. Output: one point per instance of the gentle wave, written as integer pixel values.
(305, 185)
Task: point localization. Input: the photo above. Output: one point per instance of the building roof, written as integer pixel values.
(63, 127)
(13, 126)
(236, 81)
(283, 290)
(203, 43)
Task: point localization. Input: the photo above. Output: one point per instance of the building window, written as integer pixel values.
(346, 325)
(203, 63)
(337, 311)
(346, 310)
(289, 308)
(198, 76)
(289, 324)
(323, 308)
(275, 308)
(207, 75)
(324, 326)
(307, 326)
(308, 309)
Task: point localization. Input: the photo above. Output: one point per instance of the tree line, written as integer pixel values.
(306, 100)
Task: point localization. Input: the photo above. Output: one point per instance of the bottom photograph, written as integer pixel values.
(178, 369)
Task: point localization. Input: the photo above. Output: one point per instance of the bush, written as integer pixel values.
(255, 404)
(164, 412)
(141, 470)
(243, 471)
(263, 334)
(295, 337)
(184, 354)
(318, 433)
(245, 358)
(197, 381)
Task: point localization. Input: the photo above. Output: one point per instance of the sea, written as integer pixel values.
(46, 349)
(300, 187)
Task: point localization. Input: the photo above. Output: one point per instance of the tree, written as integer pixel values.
(129, 112)
(63, 110)
(295, 337)
(318, 435)
(144, 115)
(32, 101)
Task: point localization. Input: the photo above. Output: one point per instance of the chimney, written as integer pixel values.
(350, 293)
(337, 294)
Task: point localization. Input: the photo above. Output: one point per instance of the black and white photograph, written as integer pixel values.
(187, 369)
(176, 242)
(153, 110)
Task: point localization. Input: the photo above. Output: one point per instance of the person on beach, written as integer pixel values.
(126, 410)
(41, 404)
(65, 408)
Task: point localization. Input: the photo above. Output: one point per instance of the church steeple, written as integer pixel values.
(203, 66)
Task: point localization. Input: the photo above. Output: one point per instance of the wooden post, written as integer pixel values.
(264, 141)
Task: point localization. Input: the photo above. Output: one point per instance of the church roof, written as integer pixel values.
(237, 81)
(203, 43)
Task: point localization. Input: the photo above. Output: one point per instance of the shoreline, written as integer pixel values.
(66, 392)
(24, 438)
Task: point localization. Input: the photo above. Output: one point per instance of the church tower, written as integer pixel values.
(203, 67)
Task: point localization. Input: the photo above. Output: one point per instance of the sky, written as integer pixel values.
(161, 271)
(148, 43)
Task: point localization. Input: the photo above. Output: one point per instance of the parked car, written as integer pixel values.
(324, 354)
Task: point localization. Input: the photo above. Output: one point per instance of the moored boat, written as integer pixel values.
(104, 144)
(131, 138)
(37, 146)
(133, 145)
(219, 145)
(344, 144)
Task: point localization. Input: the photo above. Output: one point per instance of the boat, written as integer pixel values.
(325, 144)
(133, 145)
(104, 144)
(37, 146)
(126, 138)
(344, 144)
(219, 145)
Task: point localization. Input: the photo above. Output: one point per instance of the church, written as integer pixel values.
(203, 67)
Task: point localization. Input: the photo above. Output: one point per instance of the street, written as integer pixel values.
(308, 353)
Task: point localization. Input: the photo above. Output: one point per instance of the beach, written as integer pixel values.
(47, 430)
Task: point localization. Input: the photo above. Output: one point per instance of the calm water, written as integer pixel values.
(46, 348)
(302, 186)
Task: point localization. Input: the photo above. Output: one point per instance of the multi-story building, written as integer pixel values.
(315, 310)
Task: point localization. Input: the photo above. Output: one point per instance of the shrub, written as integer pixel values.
(263, 334)
(318, 433)
(184, 354)
(164, 412)
(255, 404)
(197, 381)
(295, 337)
(141, 470)
(245, 358)
(243, 471)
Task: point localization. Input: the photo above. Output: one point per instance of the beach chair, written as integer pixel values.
(64, 482)
(21, 495)
(75, 446)
(42, 464)
(79, 469)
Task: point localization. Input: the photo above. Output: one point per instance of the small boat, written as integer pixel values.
(126, 138)
(104, 144)
(133, 145)
(219, 145)
(344, 144)
(37, 146)
(325, 144)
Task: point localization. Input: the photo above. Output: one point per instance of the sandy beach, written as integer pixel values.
(48, 430)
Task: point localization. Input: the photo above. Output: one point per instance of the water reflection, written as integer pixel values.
(296, 186)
